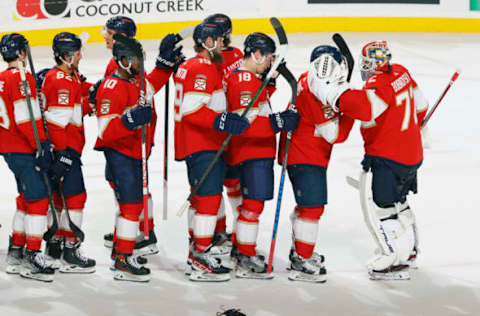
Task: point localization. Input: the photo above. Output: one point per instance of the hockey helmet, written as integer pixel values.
(11, 44)
(122, 25)
(375, 58)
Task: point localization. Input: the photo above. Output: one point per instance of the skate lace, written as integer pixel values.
(133, 262)
(212, 261)
(79, 254)
(40, 260)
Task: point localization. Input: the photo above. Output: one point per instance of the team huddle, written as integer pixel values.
(42, 132)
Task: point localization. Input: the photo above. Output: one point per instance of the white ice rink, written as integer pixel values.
(446, 283)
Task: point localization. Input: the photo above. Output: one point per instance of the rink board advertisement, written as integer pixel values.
(43, 18)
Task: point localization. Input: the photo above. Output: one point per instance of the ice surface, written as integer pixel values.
(446, 283)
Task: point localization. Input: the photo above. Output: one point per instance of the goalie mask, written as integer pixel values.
(327, 66)
(374, 59)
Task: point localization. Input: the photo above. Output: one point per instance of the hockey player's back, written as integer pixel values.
(200, 98)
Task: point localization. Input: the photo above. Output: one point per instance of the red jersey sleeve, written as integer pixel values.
(158, 78)
(21, 111)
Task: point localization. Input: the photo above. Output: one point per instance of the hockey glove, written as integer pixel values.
(137, 116)
(169, 57)
(61, 165)
(231, 123)
(284, 121)
(43, 159)
(92, 93)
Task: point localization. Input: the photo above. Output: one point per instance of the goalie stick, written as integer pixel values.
(450, 83)
(131, 44)
(283, 70)
(282, 38)
(73, 227)
(182, 34)
(343, 47)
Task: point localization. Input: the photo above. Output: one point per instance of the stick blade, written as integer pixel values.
(343, 47)
(184, 33)
(277, 26)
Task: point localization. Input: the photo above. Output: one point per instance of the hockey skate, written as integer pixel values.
(146, 247)
(127, 268)
(54, 253)
(307, 269)
(394, 272)
(253, 267)
(108, 240)
(221, 244)
(14, 258)
(74, 261)
(207, 268)
(36, 267)
(113, 256)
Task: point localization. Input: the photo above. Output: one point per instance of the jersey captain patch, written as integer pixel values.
(63, 97)
(200, 83)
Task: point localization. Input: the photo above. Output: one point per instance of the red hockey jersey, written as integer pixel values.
(318, 129)
(199, 99)
(114, 97)
(390, 106)
(258, 140)
(16, 131)
(232, 59)
(64, 109)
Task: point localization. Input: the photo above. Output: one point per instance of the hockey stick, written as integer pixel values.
(165, 153)
(283, 70)
(130, 43)
(73, 227)
(53, 229)
(450, 83)
(282, 38)
(182, 34)
(343, 47)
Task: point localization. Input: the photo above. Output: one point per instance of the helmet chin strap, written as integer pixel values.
(210, 50)
(69, 64)
(128, 68)
(258, 62)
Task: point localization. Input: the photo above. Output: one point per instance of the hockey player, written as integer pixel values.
(309, 153)
(253, 152)
(18, 148)
(390, 106)
(120, 138)
(232, 59)
(64, 110)
(167, 61)
(201, 125)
